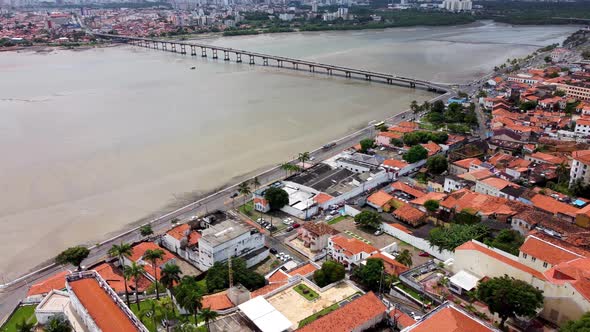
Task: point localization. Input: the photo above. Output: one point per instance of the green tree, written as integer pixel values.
(509, 297)
(528, 105)
(134, 271)
(437, 164)
(431, 205)
(580, 325)
(24, 326)
(73, 255)
(396, 142)
(153, 256)
(481, 94)
(255, 183)
(547, 59)
(170, 275)
(218, 276)
(244, 190)
(438, 106)
(425, 107)
(370, 274)
(276, 197)
(368, 219)
(414, 107)
(405, 258)
(329, 272)
(415, 154)
(57, 323)
(121, 251)
(367, 144)
(303, 157)
(451, 237)
(208, 315)
(288, 168)
(153, 312)
(189, 296)
(146, 230)
(467, 217)
(562, 173)
(507, 240)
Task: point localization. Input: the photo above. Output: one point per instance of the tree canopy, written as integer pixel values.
(580, 325)
(431, 205)
(437, 164)
(58, 323)
(509, 297)
(276, 197)
(218, 276)
(73, 255)
(367, 144)
(370, 274)
(417, 137)
(368, 219)
(451, 237)
(330, 272)
(415, 154)
(507, 240)
(467, 217)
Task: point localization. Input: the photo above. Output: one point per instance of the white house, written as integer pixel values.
(579, 169)
(349, 252)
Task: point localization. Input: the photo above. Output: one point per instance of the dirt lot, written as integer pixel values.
(378, 241)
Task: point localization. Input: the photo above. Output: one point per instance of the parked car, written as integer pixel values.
(378, 232)
(296, 225)
(286, 222)
(290, 228)
(334, 212)
(273, 251)
(329, 217)
(424, 254)
(260, 220)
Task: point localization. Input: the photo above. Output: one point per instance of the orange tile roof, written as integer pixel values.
(409, 124)
(450, 319)
(260, 200)
(432, 148)
(352, 246)
(56, 281)
(471, 245)
(430, 196)
(546, 251)
(322, 198)
(114, 277)
(582, 156)
(319, 228)
(350, 316)
(394, 163)
(477, 175)
(553, 206)
(466, 163)
(549, 158)
(496, 183)
(583, 121)
(276, 280)
(575, 272)
(400, 227)
(391, 266)
(403, 320)
(179, 232)
(484, 204)
(409, 214)
(380, 198)
(398, 185)
(400, 129)
(107, 315)
(217, 301)
(303, 270)
(139, 250)
(390, 134)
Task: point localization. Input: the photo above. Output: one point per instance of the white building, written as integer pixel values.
(579, 169)
(349, 252)
(457, 5)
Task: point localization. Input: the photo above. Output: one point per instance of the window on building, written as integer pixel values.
(545, 264)
(534, 259)
(524, 255)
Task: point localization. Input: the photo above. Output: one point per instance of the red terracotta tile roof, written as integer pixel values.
(546, 251)
(471, 245)
(575, 272)
(107, 315)
(260, 200)
(403, 320)
(582, 156)
(432, 148)
(548, 158)
(380, 198)
(409, 214)
(430, 196)
(408, 124)
(218, 301)
(322, 198)
(400, 129)
(352, 246)
(393, 163)
(350, 316)
(553, 206)
(484, 204)
(398, 185)
(466, 163)
(139, 250)
(497, 183)
(303, 270)
(56, 281)
(400, 227)
(477, 175)
(114, 277)
(391, 266)
(450, 319)
(319, 228)
(179, 232)
(390, 134)
(276, 280)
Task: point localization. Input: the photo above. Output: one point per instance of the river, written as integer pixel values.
(94, 140)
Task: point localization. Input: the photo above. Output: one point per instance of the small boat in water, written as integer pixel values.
(193, 68)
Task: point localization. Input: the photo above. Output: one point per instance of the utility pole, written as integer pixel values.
(229, 270)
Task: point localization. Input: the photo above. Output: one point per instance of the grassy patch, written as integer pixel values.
(413, 293)
(26, 313)
(306, 292)
(247, 209)
(336, 220)
(147, 321)
(318, 314)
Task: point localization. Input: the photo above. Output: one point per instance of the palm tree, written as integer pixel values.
(154, 312)
(405, 258)
(425, 106)
(561, 171)
(58, 323)
(121, 251)
(170, 275)
(153, 256)
(190, 298)
(256, 183)
(287, 168)
(135, 271)
(24, 326)
(303, 157)
(207, 314)
(244, 189)
(414, 106)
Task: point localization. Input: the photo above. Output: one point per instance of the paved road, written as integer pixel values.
(11, 295)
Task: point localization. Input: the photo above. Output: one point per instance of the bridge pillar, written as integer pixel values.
(329, 71)
(203, 52)
(193, 50)
(280, 63)
(389, 81)
(251, 59)
(155, 45)
(265, 61)
(173, 47)
(182, 49)
(225, 56)
(311, 68)
(238, 57)
(412, 84)
(368, 77)
(295, 65)
(164, 46)
(214, 54)
(347, 74)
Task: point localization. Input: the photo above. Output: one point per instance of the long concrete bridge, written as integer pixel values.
(229, 54)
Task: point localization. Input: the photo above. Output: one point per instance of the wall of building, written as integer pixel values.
(417, 242)
(534, 262)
